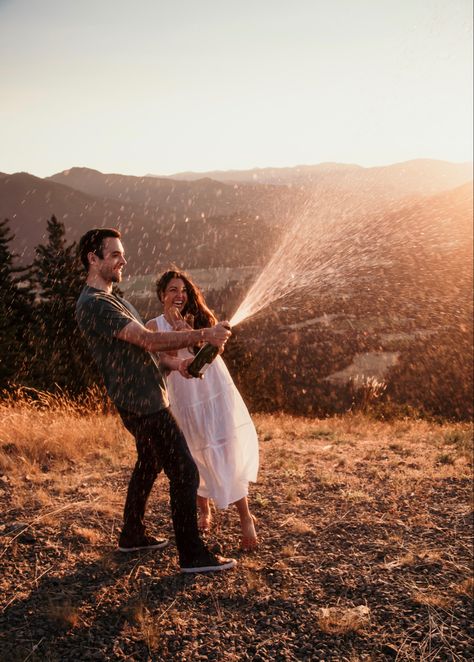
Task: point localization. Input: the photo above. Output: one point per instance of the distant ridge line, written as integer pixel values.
(325, 166)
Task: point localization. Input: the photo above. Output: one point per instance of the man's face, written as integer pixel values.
(111, 265)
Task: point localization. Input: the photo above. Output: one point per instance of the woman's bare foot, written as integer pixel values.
(204, 514)
(204, 521)
(249, 540)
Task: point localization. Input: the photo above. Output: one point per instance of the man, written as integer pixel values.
(123, 350)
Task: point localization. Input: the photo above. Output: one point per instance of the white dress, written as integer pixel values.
(218, 428)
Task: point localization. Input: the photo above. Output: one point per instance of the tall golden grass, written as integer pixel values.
(38, 429)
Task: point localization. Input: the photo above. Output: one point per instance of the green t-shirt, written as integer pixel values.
(132, 379)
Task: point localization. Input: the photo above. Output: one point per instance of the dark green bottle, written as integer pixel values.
(203, 359)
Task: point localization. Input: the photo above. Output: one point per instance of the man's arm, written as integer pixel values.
(161, 341)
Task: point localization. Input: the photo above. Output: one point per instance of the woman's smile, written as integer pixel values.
(175, 294)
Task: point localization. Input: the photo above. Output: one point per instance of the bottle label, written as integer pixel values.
(204, 368)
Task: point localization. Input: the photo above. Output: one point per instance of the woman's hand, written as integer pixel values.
(183, 368)
(176, 319)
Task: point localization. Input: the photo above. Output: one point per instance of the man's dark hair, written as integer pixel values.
(91, 242)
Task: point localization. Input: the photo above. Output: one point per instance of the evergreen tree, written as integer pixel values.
(60, 359)
(16, 300)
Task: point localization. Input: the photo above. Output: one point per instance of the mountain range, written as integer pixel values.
(220, 219)
(409, 296)
(419, 176)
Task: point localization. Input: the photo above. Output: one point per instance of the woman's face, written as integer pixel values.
(175, 295)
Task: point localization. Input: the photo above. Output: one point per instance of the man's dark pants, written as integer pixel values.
(161, 445)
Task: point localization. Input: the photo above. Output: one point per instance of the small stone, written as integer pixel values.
(390, 649)
(26, 538)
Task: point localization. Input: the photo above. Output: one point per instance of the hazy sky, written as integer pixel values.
(159, 87)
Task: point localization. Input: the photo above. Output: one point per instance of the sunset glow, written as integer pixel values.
(155, 88)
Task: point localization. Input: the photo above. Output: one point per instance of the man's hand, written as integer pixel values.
(218, 335)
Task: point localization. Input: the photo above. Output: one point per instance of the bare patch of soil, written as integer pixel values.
(365, 554)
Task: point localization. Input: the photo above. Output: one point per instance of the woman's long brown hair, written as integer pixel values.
(195, 305)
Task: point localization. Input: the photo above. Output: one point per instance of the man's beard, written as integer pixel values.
(111, 276)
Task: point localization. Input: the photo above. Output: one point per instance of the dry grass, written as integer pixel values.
(63, 614)
(340, 620)
(364, 552)
(431, 599)
(38, 430)
(466, 588)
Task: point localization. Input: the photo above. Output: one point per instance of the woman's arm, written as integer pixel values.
(170, 363)
(168, 360)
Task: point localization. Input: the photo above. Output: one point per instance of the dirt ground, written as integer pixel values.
(365, 554)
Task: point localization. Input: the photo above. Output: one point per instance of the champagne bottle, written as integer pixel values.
(203, 359)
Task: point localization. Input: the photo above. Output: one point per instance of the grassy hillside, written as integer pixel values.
(392, 286)
(365, 548)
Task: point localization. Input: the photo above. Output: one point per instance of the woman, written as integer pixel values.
(210, 411)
